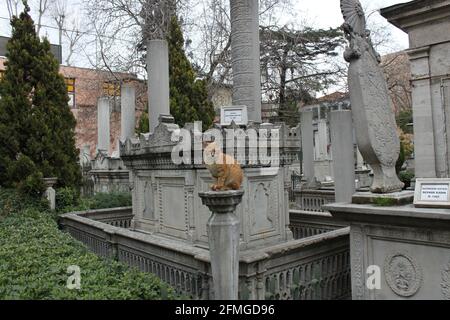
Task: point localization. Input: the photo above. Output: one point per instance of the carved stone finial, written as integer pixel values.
(157, 15)
(374, 120)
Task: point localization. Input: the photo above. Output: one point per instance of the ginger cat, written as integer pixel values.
(224, 168)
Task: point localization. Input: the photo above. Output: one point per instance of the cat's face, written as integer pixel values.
(211, 153)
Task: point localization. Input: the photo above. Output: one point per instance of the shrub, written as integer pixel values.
(67, 198)
(406, 177)
(11, 201)
(35, 255)
(110, 200)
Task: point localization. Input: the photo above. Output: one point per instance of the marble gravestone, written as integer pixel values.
(373, 117)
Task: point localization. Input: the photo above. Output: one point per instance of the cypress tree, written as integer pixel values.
(37, 129)
(189, 100)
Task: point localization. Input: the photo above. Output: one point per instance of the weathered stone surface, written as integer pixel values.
(394, 199)
(343, 154)
(430, 65)
(103, 125)
(245, 53)
(224, 235)
(50, 193)
(158, 80)
(373, 117)
(264, 212)
(307, 146)
(411, 247)
(128, 108)
(186, 267)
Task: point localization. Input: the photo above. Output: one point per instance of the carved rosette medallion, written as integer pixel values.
(403, 274)
(445, 283)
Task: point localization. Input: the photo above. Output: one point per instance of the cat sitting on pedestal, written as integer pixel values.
(223, 167)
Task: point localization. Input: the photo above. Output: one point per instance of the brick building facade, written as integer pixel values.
(84, 87)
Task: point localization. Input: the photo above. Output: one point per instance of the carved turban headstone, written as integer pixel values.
(373, 118)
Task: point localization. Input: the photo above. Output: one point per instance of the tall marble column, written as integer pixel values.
(128, 108)
(158, 80)
(245, 54)
(103, 125)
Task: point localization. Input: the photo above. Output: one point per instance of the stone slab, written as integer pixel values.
(395, 199)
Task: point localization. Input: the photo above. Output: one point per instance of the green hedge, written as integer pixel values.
(35, 255)
(68, 200)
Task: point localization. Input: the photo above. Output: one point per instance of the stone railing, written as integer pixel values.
(304, 224)
(145, 252)
(316, 267)
(117, 217)
(313, 200)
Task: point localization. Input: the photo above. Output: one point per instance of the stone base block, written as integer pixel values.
(408, 249)
(388, 199)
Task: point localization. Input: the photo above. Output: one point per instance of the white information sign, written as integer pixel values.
(238, 114)
(433, 193)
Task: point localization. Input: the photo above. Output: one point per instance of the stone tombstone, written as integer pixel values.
(343, 154)
(307, 138)
(128, 108)
(158, 81)
(103, 125)
(373, 117)
(157, 181)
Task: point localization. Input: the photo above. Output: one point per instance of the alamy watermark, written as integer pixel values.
(260, 146)
(74, 279)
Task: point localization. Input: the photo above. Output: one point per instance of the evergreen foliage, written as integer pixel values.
(37, 129)
(189, 100)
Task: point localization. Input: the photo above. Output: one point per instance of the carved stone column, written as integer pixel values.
(157, 15)
(223, 234)
(245, 54)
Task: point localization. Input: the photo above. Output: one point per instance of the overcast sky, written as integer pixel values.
(327, 13)
(317, 13)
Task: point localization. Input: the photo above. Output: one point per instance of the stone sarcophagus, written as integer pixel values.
(165, 193)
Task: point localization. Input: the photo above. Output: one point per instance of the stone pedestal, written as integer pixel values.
(245, 54)
(158, 80)
(223, 235)
(409, 246)
(103, 125)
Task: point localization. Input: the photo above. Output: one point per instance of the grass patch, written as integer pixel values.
(384, 202)
(35, 255)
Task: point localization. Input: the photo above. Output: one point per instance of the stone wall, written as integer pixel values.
(313, 268)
